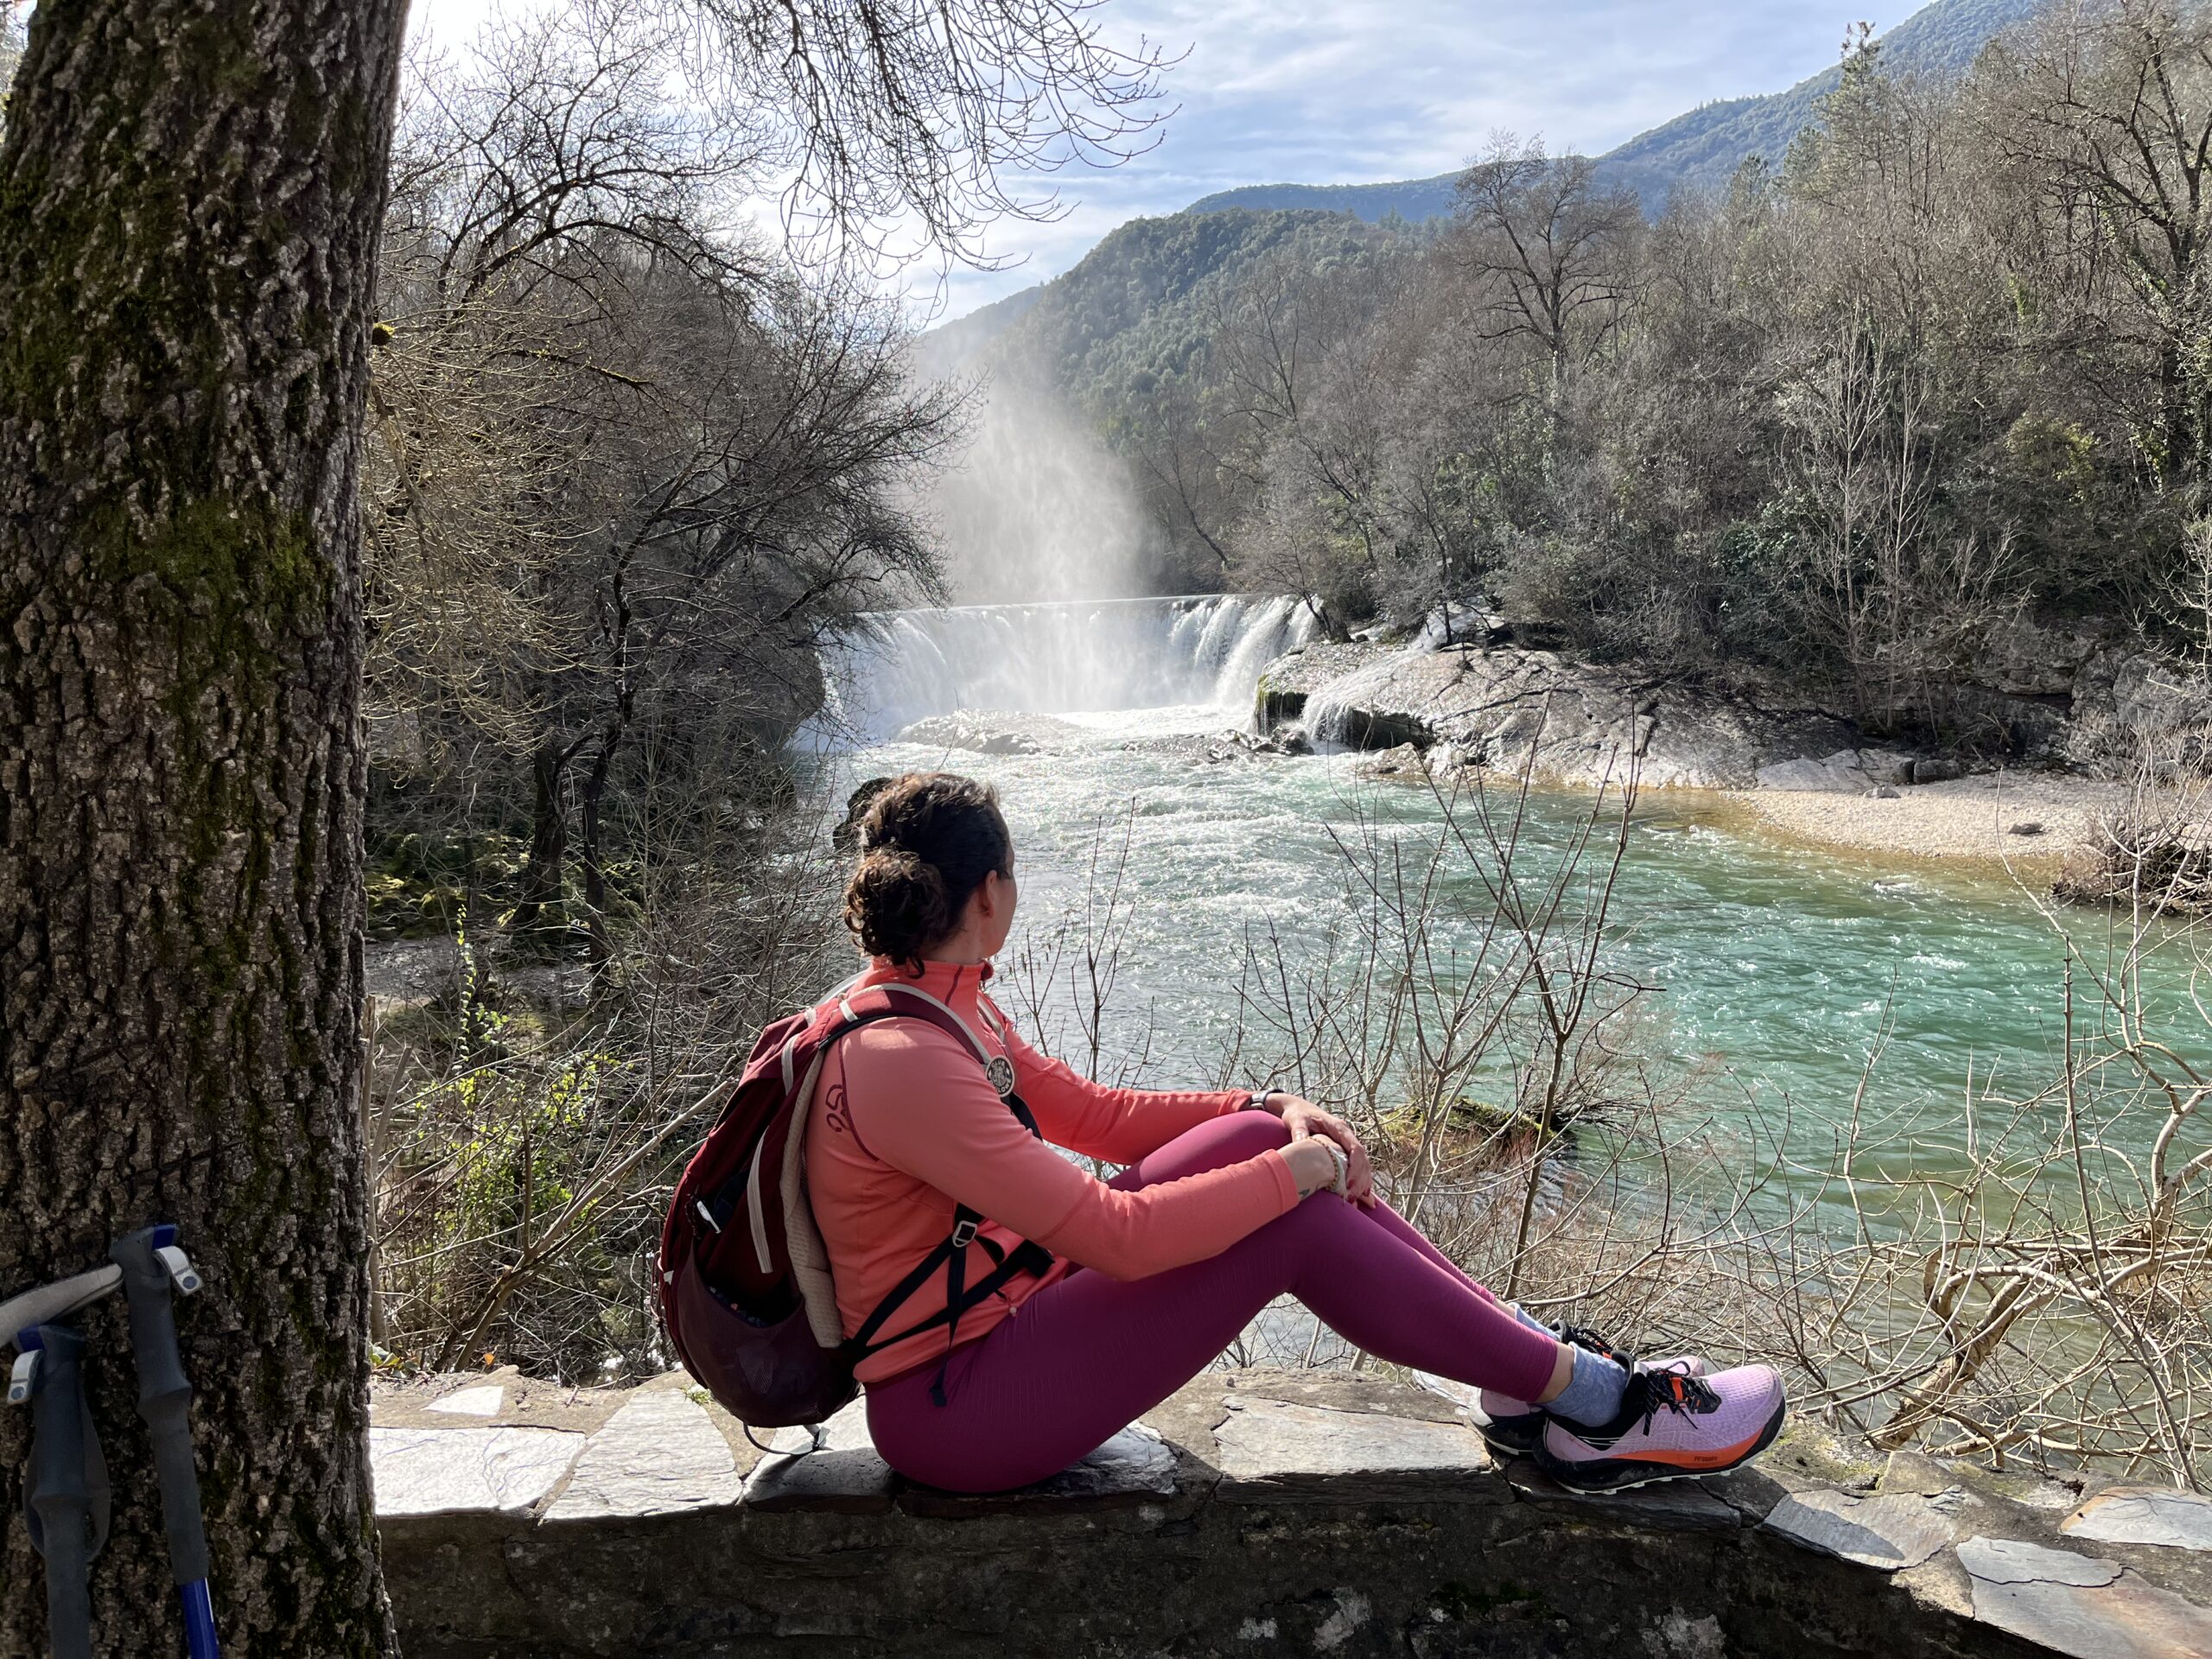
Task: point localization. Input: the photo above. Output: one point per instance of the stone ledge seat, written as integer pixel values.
(1251, 1512)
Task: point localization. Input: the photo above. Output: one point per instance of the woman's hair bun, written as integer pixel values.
(929, 839)
(896, 903)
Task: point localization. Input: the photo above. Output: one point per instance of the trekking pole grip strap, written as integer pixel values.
(164, 1399)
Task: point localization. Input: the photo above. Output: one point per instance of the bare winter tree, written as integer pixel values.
(1550, 248)
(662, 464)
(927, 111)
(2106, 108)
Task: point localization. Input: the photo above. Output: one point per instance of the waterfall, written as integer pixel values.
(1079, 657)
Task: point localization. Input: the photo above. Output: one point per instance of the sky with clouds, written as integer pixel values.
(1359, 90)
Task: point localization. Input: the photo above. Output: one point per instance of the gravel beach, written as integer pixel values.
(1979, 817)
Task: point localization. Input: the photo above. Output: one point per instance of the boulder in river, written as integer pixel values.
(1286, 683)
(846, 837)
(1404, 764)
(1577, 722)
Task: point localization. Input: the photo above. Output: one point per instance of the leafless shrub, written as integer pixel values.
(2039, 1299)
(524, 1155)
(2154, 855)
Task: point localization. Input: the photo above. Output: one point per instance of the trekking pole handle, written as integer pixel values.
(57, 1498)
(151, 1264)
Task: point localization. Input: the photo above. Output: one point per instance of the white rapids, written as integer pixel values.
(1082, 656)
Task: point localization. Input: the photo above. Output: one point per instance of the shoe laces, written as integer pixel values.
(1673, 1390)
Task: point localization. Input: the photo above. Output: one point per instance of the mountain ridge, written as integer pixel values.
(1702, 146)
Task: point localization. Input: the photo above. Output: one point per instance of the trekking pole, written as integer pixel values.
(152, 1265)
(65, 1499)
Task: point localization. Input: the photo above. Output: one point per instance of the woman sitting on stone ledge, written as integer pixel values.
(1227, 1200)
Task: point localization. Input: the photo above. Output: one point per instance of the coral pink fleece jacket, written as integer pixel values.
(904, 1126)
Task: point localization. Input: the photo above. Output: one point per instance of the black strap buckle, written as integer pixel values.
(963, 1234)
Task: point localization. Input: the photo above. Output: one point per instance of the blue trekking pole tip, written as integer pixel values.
(198, 1621)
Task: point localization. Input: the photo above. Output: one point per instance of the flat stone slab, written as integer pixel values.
(660, 1453)
(425, 1471)
(480, 1402)
(2079, 1606)
(1892, 1531)
(521, 1402)
(1271, 1448)
(1253, 1511)
(1134, 1467)
(836, 1469)
(2143, 1515)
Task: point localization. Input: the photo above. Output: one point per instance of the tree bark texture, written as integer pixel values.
(190, 198)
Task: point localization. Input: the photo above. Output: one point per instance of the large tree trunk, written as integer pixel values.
(190, 194)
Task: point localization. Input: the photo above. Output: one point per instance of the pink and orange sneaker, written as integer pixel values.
(1670, 1424)
(1516, 1427)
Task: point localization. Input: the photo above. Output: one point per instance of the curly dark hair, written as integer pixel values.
(927, 842)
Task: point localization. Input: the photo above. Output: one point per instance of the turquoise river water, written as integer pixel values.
(1771, 969)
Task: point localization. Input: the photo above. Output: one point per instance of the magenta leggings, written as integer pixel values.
(1084, 1359)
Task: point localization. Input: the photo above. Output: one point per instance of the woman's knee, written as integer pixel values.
(1218, 1142)
(1230, 1138)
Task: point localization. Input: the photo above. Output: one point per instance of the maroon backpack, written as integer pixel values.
(745, 1291)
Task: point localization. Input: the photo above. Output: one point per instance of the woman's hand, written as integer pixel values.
(1306, 1121)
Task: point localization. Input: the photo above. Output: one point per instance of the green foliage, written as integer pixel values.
(1140, 308)
(1415, 201)
(420, 884)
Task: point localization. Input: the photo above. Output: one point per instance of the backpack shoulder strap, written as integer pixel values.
(914, 1004)
(892, 1001)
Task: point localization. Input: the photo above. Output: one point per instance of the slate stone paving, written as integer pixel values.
(1252, 1512)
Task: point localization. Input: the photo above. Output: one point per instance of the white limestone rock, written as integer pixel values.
(659, 1453)
(425, 1471)
(2143, 1515)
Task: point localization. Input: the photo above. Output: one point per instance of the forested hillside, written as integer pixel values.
(1146, 302)
(1701, 147)
(1414, 200)
(1844, 419)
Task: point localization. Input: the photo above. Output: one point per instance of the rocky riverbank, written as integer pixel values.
(2067, 714)
(1506, 709)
